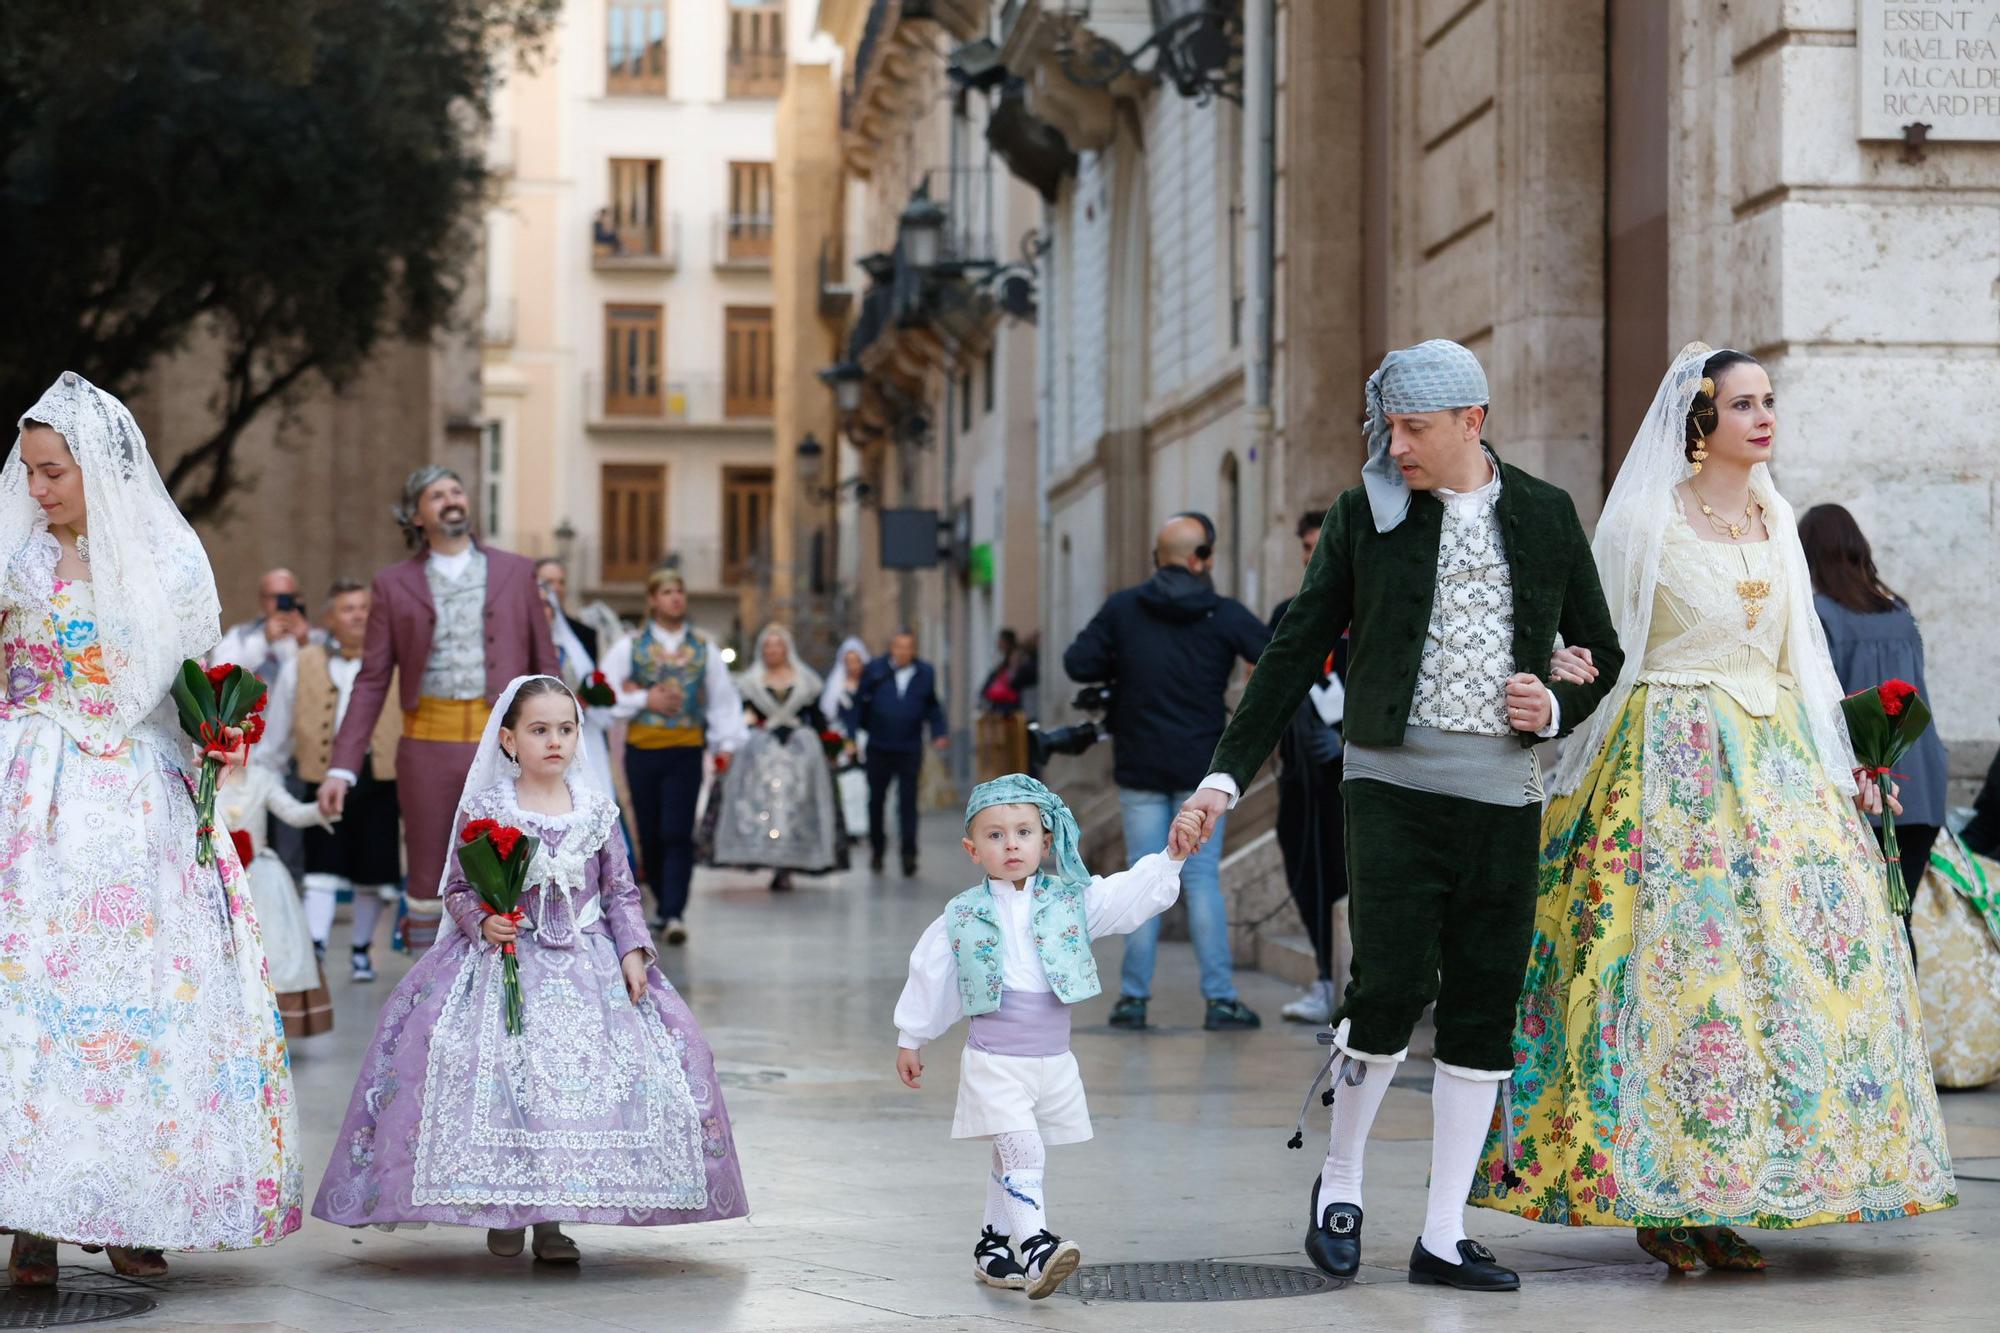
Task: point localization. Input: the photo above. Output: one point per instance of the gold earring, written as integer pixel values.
(1700, 453)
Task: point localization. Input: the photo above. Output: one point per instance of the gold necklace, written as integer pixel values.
(1723, 525)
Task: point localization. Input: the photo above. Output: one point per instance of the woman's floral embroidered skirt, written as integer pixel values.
(1718, 1023)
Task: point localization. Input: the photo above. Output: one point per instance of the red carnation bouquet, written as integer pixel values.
(221, 709)
(1884, 722)
(495, 859)
(596, 691)
(834, 744)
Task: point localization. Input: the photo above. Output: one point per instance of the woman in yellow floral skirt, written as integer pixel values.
(1719, 1026)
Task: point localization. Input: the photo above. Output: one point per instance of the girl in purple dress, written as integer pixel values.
(606, 1108)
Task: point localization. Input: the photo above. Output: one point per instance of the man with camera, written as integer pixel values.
(1168, 647)
(282, 627)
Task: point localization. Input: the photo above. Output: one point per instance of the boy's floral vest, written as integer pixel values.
(1062, 939)
(651, 664)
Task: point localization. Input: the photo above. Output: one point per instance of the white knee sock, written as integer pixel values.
(367, 911)
(1462, 1113)
(996, 1196)
(320, 904)
(1021, 1160)
(1354, 1108)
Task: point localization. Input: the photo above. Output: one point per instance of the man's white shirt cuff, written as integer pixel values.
(349, 778)
(1223, 783)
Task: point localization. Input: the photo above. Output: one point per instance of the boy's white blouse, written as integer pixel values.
(1113, 905)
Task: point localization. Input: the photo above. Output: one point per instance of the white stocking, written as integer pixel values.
(1462, 1113)
(996, 1196)
(367, 911)
(320, 905)
(1022, 1158)
(1354, 1108)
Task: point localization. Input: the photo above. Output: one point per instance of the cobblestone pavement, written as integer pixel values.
(864, 1208)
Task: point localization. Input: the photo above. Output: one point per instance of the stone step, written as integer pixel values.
(1287, 957)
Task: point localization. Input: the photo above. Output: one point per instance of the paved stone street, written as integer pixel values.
(864, 1209)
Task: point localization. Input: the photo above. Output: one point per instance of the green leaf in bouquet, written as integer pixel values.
(239, 690)
(192, 697)
(1911, 723)
(1867, 724)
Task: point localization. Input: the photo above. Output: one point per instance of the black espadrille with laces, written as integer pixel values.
(994, 1264)
(1049, 1259)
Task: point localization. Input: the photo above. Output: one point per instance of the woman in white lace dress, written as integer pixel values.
(148, 1099)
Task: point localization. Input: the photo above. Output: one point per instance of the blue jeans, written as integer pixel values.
(1147, 815)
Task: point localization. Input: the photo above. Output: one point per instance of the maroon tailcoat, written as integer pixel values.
(401, 620)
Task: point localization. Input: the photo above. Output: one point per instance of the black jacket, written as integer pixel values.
(1169, 646)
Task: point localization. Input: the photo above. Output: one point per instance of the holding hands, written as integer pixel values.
(1195, 823)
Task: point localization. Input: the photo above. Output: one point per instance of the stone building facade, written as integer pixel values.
(1573, 190)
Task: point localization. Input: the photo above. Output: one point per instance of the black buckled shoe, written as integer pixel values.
(1333, 1237)
(994, 1264)
(1480, 1271)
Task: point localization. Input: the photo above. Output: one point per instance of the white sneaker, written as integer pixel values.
(676, 932)
(1315, 1006)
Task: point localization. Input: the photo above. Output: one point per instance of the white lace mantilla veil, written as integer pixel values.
(490, 766)
(1630, 535)
(153, 589)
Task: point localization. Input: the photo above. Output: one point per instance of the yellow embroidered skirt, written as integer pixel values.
(1718, 1023)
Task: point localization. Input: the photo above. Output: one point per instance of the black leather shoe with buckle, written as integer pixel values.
(1333, 1237)
(1479, 1271)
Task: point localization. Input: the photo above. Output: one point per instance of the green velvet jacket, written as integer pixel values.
(1380, 584)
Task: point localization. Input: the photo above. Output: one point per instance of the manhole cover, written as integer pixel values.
(1192, 1280)
(59, 1307)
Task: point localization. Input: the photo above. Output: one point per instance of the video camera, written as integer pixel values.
(1074, 739)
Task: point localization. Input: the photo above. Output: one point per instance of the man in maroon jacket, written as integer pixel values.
(454, 624)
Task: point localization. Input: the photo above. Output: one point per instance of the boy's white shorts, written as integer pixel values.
(1003, 1094)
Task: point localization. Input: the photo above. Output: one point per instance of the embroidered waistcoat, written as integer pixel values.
(653, 662)
(1062, 942)
(457, 669)
(1469, 643)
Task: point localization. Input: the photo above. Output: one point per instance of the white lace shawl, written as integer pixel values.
(152, 588)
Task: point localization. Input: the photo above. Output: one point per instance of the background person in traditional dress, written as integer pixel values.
(679, 705)
(606, 1107)
(363, 853)
(777, 808)
(836, 704)
(141, 1059)
(450, 626)
(1872, 637)
(1719, 1026)
(249, 796)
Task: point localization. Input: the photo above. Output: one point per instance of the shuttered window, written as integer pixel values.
(635, 520)
(633, 346)
(748, 362)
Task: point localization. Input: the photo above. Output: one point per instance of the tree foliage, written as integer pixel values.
(302, 178)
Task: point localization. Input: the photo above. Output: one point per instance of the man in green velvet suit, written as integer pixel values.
(1454, 573)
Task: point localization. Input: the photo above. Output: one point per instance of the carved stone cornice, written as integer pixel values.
(1034, 47)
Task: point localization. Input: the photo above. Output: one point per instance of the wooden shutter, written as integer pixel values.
(635, 46)
(750, 210)
(635, 204)
(748, 363)
(635, 520)
(633, 338)
(756, 49)
(746, 520)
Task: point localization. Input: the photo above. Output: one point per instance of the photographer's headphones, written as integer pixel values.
(1207, 549)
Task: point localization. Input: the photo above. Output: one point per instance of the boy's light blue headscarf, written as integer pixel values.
(1020, 789)
(1433, 376)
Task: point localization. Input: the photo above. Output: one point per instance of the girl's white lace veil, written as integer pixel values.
(153, 591)
(490, 765)
(1631, 533)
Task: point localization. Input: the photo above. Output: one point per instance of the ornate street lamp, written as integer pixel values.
(811, 459)
(921, 230)
(844, 378)
(1197, 47)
